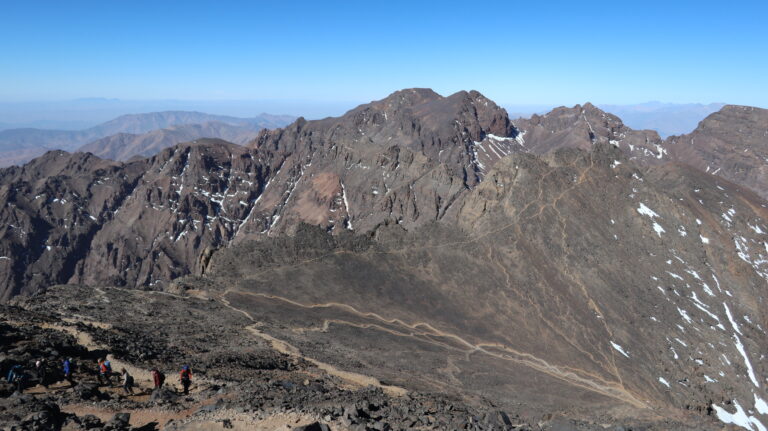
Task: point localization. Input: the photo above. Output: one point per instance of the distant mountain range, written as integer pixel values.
(21, 145)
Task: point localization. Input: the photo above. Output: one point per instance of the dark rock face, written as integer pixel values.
(72, 218)
(77, 218)
(403, 159)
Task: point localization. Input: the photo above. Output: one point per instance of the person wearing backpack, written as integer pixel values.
(16, 376)
(41, 372)
(108, 365)
(185, 377)
(68, 367)
(127, 382)
(158, 378)
(105, 377)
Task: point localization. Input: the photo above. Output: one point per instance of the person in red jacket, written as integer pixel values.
(185, 377)
(158, 378)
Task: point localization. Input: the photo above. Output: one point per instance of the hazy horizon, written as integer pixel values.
(514, 53)
(89, 111)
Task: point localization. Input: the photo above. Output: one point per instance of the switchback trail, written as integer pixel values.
(419, 330)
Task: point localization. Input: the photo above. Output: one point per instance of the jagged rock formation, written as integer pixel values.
(583, 126)
(425, 240)
(76, 218)
(72, 218)
(730, 143)
(403, 159)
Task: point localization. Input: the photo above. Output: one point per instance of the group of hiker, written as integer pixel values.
(19, 377)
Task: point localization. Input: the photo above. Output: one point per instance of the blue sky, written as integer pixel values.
(514, 52)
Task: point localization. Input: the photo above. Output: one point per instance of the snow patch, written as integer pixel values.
(644, 210)
(619, 349)
(739, 417)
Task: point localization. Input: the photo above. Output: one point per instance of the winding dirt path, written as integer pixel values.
(420, 330)
(281, 346)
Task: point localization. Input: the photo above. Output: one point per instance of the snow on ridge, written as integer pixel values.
(730, 318)
(760, 405)
(346, 206)
(644, 210)
(739, 417)
(740, 347)
(619, 349)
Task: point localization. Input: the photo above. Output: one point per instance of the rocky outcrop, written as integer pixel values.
(72, 218)
(731, 143)
(582, 127)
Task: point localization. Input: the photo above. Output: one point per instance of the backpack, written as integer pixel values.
(12, 374)
(160, 377)
(108, 366)
(186, 375)
(129, 380)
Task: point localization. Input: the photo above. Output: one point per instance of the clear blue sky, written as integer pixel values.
(514, 52)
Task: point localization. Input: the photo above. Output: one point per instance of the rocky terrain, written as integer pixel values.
(566, 270)
(242, 378)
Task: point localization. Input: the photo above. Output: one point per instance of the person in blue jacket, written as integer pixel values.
(68, 367)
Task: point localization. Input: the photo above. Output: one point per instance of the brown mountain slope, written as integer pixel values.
(731, 143)
(583, 126)
(562, 283)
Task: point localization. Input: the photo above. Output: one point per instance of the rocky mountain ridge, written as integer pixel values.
(424, 240)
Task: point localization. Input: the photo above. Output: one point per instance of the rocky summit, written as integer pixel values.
(421, 262)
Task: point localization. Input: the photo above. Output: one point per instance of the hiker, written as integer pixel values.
(109, 369)
(40, 372)
(185, 377)
(16, 376)
(127, 381)
(158, 378)
(68, 366)
(105, 373)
